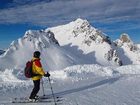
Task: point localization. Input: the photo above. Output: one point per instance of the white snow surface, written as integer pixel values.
(79, 85)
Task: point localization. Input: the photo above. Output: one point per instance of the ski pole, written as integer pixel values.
(43, 88)
(52, 90)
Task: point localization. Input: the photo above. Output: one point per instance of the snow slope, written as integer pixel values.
(81, 85)
(21, 50)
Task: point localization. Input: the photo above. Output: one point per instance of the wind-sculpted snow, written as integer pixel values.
(9, 76)
(10, 82)
(96, 70)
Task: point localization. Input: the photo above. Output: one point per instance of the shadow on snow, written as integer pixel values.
(91, 86)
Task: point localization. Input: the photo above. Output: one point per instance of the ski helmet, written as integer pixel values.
(37, 54)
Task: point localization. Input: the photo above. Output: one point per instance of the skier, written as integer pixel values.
(37, 69)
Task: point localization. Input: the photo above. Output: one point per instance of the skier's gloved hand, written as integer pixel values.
(47, 74)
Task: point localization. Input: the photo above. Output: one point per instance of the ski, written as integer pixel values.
(40, 100)
(50, 97)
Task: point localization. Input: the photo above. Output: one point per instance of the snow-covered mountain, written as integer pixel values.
(86, 42)
(21, 50)
(74, 43)
(127, 50)
(95, 46)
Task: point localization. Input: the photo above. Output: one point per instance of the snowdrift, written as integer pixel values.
(11, 79)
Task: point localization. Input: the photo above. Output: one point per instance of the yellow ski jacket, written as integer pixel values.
(37, 69)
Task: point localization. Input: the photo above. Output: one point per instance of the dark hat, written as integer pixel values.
(37, 54)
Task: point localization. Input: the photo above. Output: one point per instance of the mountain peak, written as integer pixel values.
(79, 32)
(83, 24)
(125, 38)
(80, 21)
(31, 33)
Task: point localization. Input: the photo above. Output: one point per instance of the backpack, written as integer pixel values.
(28, 70)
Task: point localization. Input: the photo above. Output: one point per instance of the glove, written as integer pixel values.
(47, 75)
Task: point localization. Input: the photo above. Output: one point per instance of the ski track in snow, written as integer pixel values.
(79, 85)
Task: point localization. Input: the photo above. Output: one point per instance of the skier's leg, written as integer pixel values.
(35, 89)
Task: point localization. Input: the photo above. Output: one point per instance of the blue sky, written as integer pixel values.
(113, 17)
